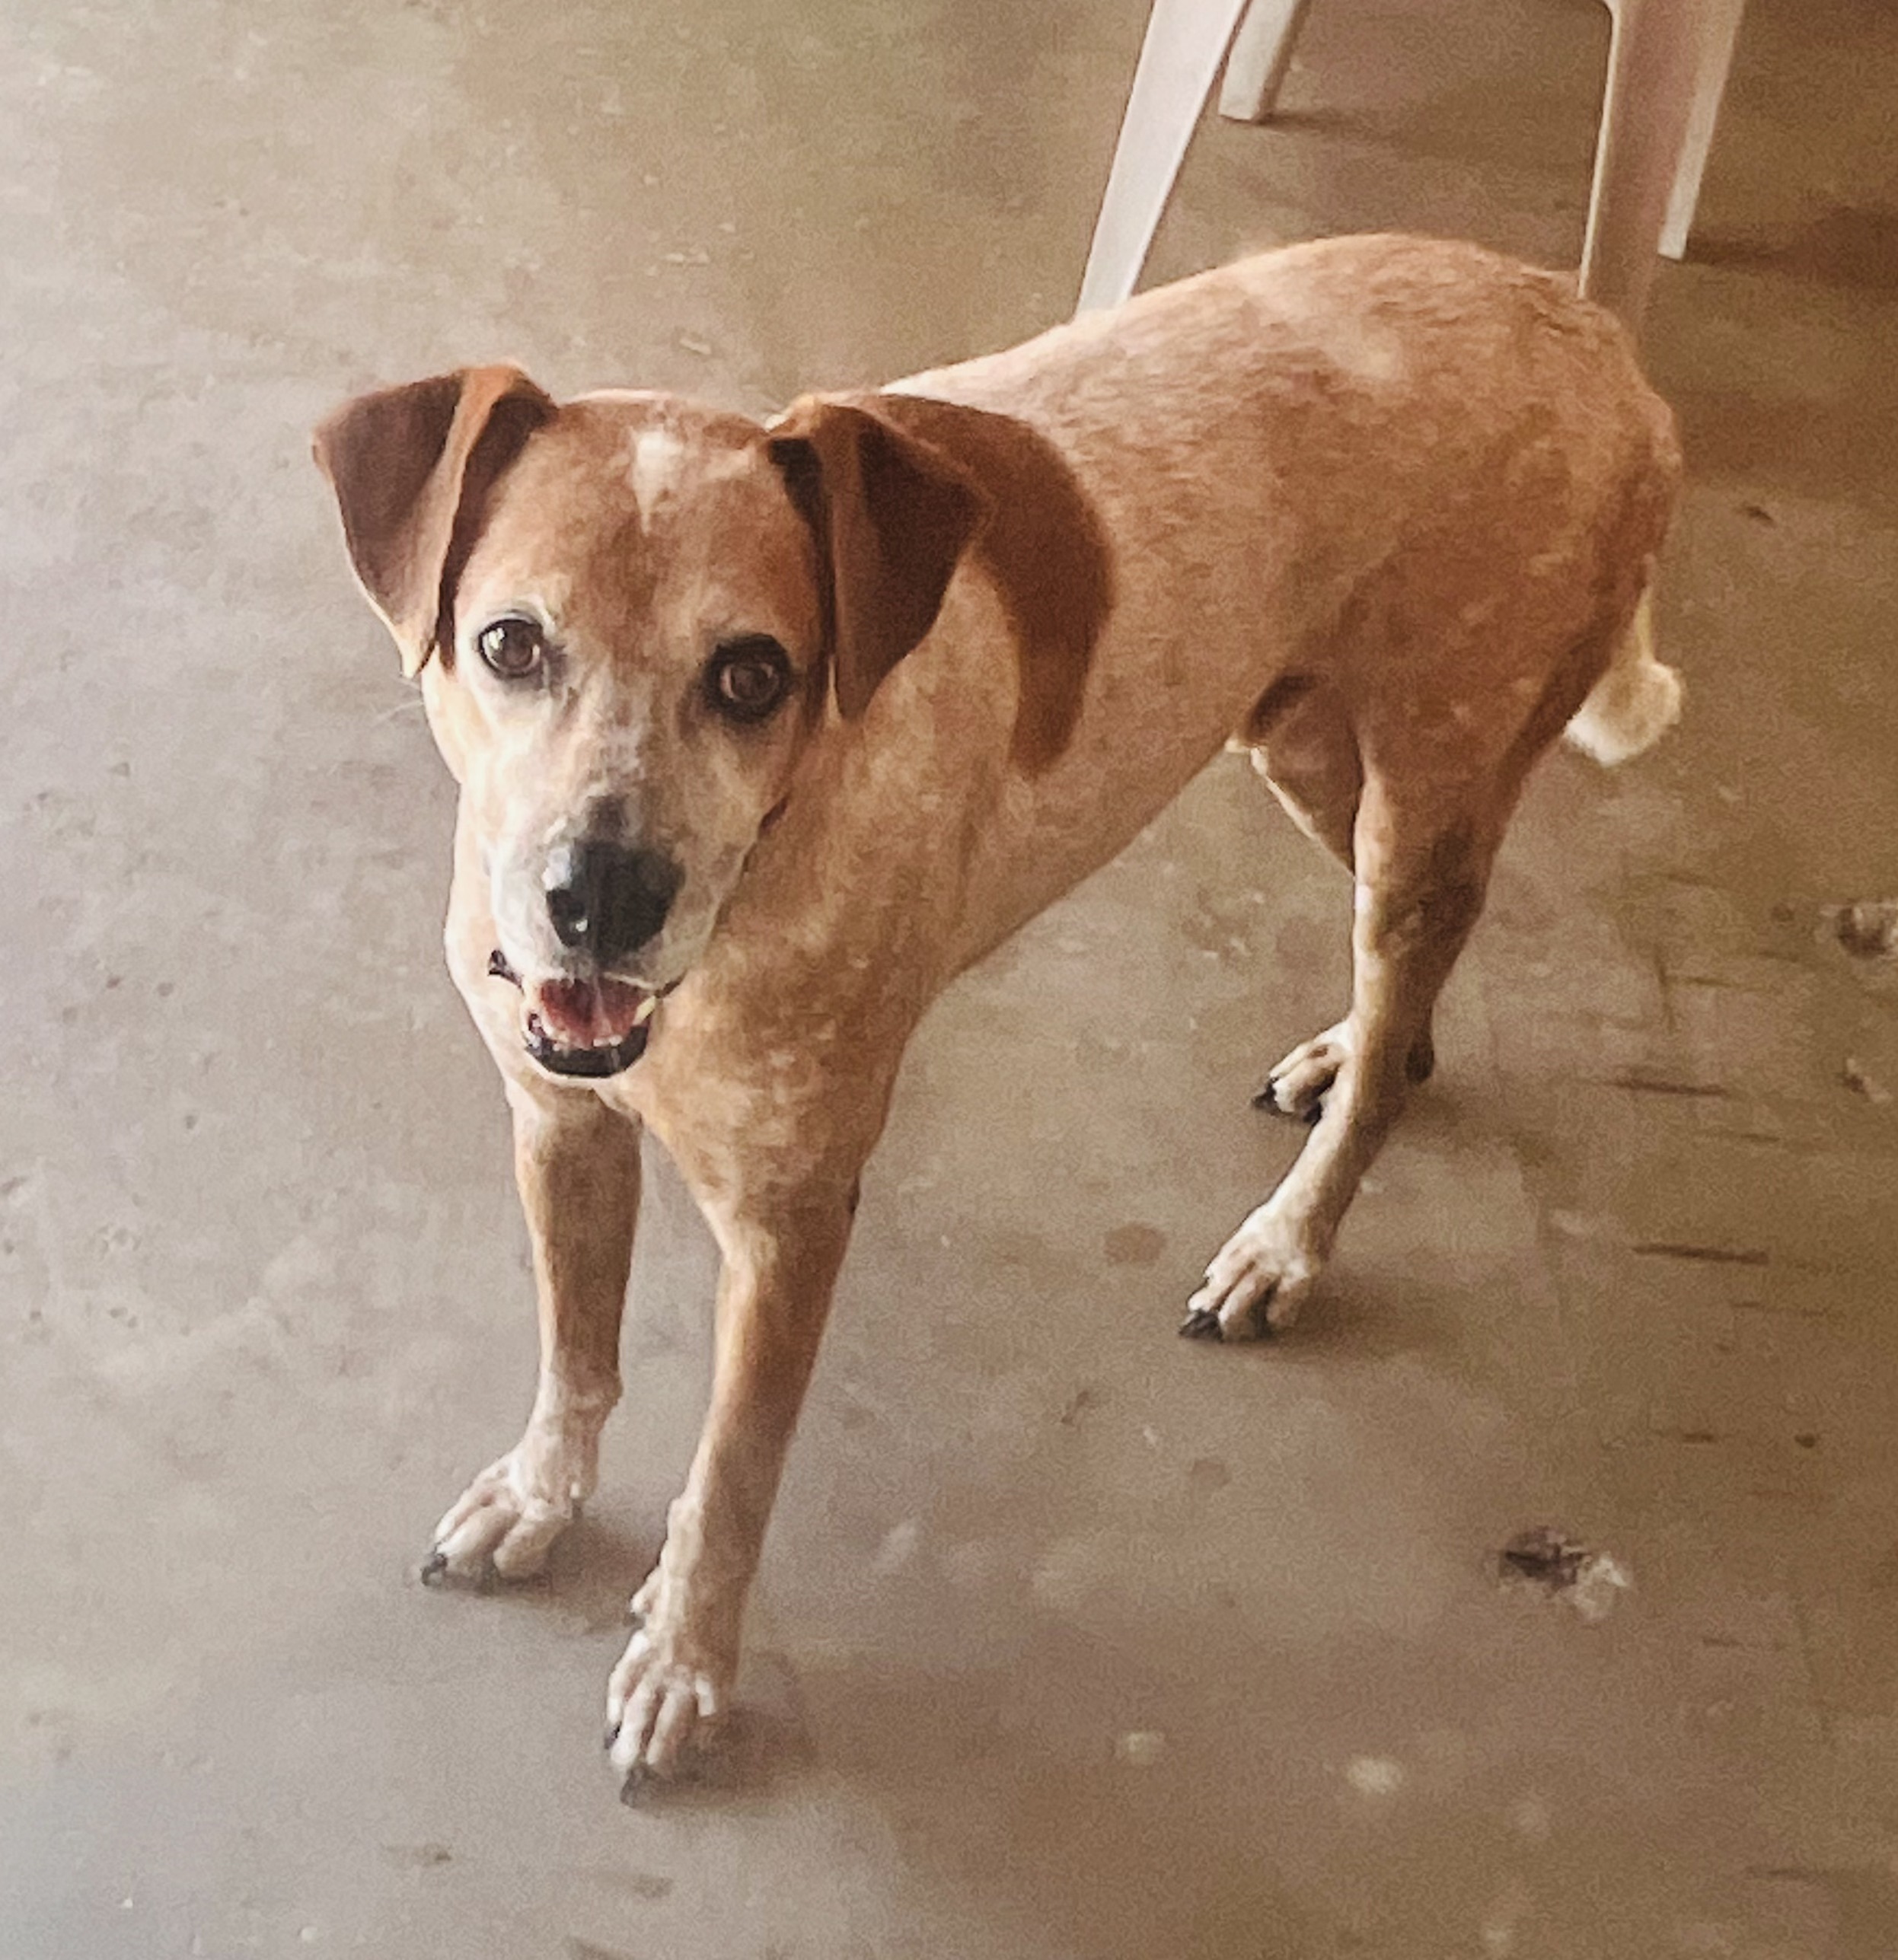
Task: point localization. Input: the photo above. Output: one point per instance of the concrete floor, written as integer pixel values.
(264, 1303)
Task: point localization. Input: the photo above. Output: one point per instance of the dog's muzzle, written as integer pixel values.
(586, 1028)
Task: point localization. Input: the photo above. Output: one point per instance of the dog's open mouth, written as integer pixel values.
(587, 1027)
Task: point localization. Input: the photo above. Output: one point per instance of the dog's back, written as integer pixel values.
(1359, 377)
(1428, 480)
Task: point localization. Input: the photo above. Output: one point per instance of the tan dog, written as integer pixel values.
(764, 735)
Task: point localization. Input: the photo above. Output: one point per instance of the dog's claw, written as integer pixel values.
(612, 1736)
(633, 1788)
(433, 1567)
(1202, 1324)
(1266, 1101)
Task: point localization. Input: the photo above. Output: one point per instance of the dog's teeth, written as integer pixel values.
(645, 1010)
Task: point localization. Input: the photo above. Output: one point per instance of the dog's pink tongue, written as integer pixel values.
(587, 1014)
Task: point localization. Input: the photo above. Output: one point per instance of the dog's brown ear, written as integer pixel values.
(1045, 548)
(892, 516)
(411, 467)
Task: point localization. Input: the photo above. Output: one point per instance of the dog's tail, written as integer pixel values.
(1635, 702)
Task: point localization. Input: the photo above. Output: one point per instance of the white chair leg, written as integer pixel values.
(1644, 127)
(1256, 69)
(1719, 28)
(1186, 40)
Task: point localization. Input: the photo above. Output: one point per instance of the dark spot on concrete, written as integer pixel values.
(1544, 1555)
(1083, 1399)
(1852, 1075)
(1133, 1245)
(1868, 929)
(643, 1884)
(1647, 1085)
(1863, 1902)
(1759, 513)
(1713, 1255)
(1206, 1474)
(1807, 1440)
(417, 1857)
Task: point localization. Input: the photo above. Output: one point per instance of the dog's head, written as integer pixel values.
(630, 614)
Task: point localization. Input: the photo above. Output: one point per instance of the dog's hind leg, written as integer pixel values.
(1422, 863)
(1301, 741)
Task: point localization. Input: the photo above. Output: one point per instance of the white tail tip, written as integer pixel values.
(1635, 704)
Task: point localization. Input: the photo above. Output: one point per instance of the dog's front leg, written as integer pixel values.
(577, 1163)
(780, 1264)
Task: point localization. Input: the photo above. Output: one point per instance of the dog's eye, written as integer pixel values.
(748, 677)
(512, 648)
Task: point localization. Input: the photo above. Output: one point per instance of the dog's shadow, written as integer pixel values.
(587, 1583)
(1363, 1319)
(584, 1593)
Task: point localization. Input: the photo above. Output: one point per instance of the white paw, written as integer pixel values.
(662, 1705)
(507, 1519)
(1256, 1283)
(1299, 1084)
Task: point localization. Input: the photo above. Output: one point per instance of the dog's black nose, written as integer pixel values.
(606, 900)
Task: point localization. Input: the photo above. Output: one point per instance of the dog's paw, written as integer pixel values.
(1300, 1084)
(1256, 1283)
(506, 1521)
(1297, 1086)
(663, 1704)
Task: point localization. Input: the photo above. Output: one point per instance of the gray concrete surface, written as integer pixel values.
(262, 1286)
